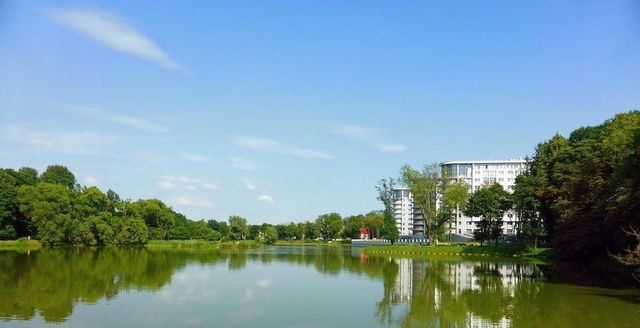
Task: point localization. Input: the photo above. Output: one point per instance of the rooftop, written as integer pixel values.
(491, 161)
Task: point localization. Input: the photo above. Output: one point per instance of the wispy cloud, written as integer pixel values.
(265, 198)
(271, 146)
(370, 136)
(90, 181)
(185, 201)
(111, 31)
(85, 142)
(124, 120)
(242, 164)
(250, 185)
(196, 158)
(183, 182)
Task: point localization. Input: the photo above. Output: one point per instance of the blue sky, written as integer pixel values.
(283, 110)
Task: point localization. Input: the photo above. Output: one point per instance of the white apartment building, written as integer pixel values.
(480, 173)
(476, 174)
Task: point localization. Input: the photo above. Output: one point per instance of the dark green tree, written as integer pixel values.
(490, 203)
(59, 174)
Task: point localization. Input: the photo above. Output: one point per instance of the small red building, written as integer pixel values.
(364, 233)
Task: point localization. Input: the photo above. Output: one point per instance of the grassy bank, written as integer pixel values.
(202, 244)
(20, 244)
(311, 243)
(462, 250)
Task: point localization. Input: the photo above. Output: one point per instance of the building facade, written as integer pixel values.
(475, 174)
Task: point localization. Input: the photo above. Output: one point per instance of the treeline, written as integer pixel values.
(328, 226)
(55, 209)
(586, 187)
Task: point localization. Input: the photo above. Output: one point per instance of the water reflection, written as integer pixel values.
(356, 290)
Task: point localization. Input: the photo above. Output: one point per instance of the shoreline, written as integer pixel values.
(500, 251)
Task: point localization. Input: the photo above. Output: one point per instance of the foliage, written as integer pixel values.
(490, 203)
(389, 230)
(530, 226)
(329, 225)
(59, 174)
(269, 235)
(424, 187)
(238, 229)
(588, 186)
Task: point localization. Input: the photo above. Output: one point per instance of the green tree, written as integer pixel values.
(8, 206)
(374, 221)
(156, 215)
(352, 225)
(490, 203)
(389, 230)
(238, 228)
(424, 187)
(27, 176)
(269, 235)
(454, 200)
(329, 225)
(527, 206)
(59, 174)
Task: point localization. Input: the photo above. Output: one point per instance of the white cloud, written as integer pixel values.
(137, 123)
(124, 120)
(271, 146)
(211, 186)
(265, 198)
(370, 136)
(196, 158)
(110, 31)
(184, 201)
(242, 164)
(391, 148)
(90, 181)
(60, 142)
(183, 182)
(249, 184)
(165, 184)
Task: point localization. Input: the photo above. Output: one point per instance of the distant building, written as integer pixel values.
(364, 233)
(476, 174)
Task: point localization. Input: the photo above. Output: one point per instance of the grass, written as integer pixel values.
(500, 250)
(20, 244)
(202, 244)
(310, 243)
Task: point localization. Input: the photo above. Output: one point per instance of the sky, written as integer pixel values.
(284, 110)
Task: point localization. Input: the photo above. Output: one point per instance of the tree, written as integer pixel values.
(48, 207)
(59, 174)
(454, 200)
(352, 225)
(310, 230)
(269, 235)
(527, 207)
(219, 226)
(329, 225)
(156, 215)
(27, 176)
(374, 221)
(8, 206)
(238, 229)
(389, 230)
(490, 203)
(424, 187)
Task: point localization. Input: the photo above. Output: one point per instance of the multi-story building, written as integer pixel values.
(407, 220)
(480, 173)
(475, 174)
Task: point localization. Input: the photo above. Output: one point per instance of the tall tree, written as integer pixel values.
(329, 225)
(530, 227)
(59, 174)
(424, 187)
(490, 203)
(389, 229)
(454, 200)
(238, 228)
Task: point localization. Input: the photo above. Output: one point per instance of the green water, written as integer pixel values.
(301, 287)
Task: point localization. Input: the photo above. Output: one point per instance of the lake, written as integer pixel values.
(291, 286)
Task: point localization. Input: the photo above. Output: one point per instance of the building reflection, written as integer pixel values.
(455, 294)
